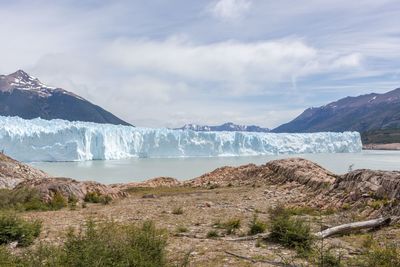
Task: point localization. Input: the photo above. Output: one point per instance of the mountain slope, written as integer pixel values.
(26, 97)
(229, 127)
(362, 113)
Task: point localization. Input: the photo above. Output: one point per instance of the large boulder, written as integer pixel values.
(70, 188)
(13, 172)
(302, 171)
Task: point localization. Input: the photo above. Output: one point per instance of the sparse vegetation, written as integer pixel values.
(73, 202)
(177, 211)
(212, 234)
(105, 244)
(21, 199)
(182, 229)
(28, 199)
(256, 226)
(15, 229)
(231, 225)
(58, 201)
(327, 259)
(305, 210)
(289, 231)
(96, 197)
(375, 254)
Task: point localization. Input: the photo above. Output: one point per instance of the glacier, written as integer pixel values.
(60, 140)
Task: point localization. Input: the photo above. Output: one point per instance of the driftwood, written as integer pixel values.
(345, 228)
(247, 238)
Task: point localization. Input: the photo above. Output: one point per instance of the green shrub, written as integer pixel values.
(325, 258)
(58, 201)
(177, 211)
(21, 199)
(95, 197)
(288, 231)
(100, 245)
(6, 258)
(182, 229)
(212, 234)
(13, 228)
(43, 256)
(72, 202)
(231, 225)
(109, 244)
(256, 226)
(387, 255)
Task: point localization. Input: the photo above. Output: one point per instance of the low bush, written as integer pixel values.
(95, 197)
(101, 245)
(182, 229)
(13, 228)
(289, 231)
(21, 199)
(256, 226)
(177, 211)
(325, 258)
(212, 234)
(110, 244)
(231, 225)
(387, 255)
(58, 201)
(28, 199)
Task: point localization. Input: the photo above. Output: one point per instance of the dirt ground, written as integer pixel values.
(200, 210)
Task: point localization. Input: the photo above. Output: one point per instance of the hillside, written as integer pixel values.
(376, 116)
(197, 214)
(25, 96)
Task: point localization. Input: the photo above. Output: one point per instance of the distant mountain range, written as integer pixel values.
(229, 126)
(375, 116)
(25, 96)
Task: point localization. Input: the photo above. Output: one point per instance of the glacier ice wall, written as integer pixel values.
(59, 140)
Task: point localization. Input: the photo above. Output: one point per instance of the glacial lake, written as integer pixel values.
(139, 169)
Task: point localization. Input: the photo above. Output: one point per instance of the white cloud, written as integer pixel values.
(238, 67)
(230, 9)
(281, 58)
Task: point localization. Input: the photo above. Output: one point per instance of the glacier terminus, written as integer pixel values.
(61, 140)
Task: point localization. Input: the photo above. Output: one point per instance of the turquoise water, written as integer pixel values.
(139, 169)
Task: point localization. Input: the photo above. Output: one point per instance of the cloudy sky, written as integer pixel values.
(169, 62)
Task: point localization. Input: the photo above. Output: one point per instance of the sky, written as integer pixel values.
(165, 63)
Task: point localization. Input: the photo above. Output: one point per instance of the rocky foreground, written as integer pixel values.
(189, 210)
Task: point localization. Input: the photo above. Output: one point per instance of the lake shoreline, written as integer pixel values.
(390, 146)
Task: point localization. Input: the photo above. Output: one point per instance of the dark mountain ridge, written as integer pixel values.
(25, 96)
(364, 113)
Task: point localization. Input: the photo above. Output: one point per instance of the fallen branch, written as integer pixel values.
(247, 238)
(274, 263)
(345, 228)
(188, 235)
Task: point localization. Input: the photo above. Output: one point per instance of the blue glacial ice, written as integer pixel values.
(60, 140)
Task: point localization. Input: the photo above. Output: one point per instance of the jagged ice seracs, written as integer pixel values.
(60, 140)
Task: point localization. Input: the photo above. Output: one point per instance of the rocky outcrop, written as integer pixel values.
(377, 184)
(297, 170)
(302, 171)
(227, 176)
(13, 172)
(70, 188)
(376, 192)
(155, 182)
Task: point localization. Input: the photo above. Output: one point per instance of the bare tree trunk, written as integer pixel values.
(345, 228)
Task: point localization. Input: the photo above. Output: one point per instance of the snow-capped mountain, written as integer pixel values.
(25, 96)
(362, 113)
(229, 127)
